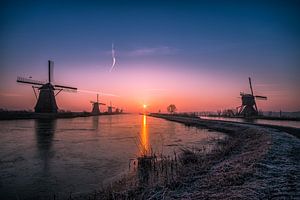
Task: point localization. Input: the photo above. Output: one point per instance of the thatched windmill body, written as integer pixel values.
(96, 106)
(46, 102)
(249, 106)
(110, 109)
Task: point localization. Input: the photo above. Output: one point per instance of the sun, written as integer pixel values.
(144, 106)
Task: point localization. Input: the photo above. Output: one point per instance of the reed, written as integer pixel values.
(193, 173)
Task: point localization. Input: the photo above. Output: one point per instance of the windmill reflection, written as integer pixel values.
(44, 131)
(109, 120)
(95, 122)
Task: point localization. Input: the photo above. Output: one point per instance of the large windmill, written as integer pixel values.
(46, 102)
(96, 105)
(109, 108)
(249, 107)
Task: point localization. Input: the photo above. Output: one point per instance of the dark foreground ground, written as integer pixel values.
(253, 162)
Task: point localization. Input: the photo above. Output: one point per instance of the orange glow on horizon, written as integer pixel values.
(138, 88)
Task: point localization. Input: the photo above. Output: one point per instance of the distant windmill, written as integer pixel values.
(119, 110)
(96, 105)
(109, 108)
(46, 102)
(249, 107)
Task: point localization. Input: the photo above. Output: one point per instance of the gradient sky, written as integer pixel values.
(195, 54)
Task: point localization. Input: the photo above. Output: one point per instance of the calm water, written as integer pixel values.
(295, 124)
(80, 155)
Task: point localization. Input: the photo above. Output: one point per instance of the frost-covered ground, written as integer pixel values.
(254, 162)
(278, 174)
(264, 164)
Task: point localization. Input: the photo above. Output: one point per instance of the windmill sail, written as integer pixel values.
(66, 87)
(249, 106)
(250, 86)
(29, 81)
(252, 94)
(96, 106)
(50, 71)
(46, 102)
(261, 97)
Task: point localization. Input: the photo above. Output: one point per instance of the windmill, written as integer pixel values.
(96, 105)
(109, 108)
(249, 107)
(46, 102)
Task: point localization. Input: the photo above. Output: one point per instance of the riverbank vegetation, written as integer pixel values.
(235, 168)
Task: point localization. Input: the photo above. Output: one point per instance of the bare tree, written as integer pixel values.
(171, 108)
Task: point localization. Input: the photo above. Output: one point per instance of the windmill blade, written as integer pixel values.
(93, 102)
(66, 88)
(102, 104)
(29, 81)
(252, 93)
(250, 86)
(50, 71)
(261, 97)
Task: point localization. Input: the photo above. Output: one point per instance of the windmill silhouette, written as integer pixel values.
(46, 102)
(249, 106)
(109, 109)
(96, 106)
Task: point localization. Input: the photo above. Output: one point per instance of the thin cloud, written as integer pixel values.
(161, 50)
(145, 51)
(97, 92)
(113, 57)
(155, 90)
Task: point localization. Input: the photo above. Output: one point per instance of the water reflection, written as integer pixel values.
(144, 136)
(44, 131)
(95, 122)
(65, 155)
(171, 129)
(109, 120)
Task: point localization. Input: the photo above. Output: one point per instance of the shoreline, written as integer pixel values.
(253, 162)
(283, 118)
(21, 115)
(190, 121)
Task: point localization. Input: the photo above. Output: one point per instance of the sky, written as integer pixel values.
(197, 55)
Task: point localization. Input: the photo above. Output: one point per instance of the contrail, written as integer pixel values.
(113, 57)
(101, 93)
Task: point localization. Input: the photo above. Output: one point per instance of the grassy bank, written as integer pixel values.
(244, 165)
(195, 174)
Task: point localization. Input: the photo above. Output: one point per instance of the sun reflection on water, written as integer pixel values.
(144, 136)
